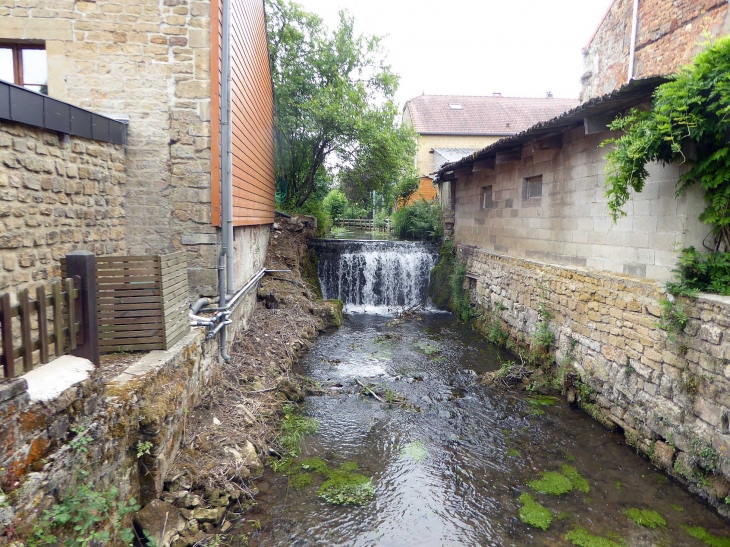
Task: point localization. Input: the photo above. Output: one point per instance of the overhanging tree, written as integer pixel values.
(333, 97)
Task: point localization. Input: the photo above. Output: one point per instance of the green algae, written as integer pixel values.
(533, 513)
(648, 518)
(576, 479)
(429, 349)
(513, 453)
(582, 538)
(415, 450)
(541, 400)
(343, 488)
(537, 411)
(349, 467)
(318, 465)
(698, 532)
(678, 508)
(552, 483)
(300, 480)
(618, 485)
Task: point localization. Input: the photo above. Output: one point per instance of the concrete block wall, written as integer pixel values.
(57, 194)
(670, 33)
(569, 224)
(669, 395)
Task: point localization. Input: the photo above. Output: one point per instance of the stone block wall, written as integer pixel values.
(669, 394)
(670, 33)
(148, 60)
(569, 224)
(57, 194)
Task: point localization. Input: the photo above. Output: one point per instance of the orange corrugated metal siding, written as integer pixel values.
(252, 114)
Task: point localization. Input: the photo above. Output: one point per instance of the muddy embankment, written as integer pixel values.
(212, 482)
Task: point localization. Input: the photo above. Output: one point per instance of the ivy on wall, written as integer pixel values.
(689, 122)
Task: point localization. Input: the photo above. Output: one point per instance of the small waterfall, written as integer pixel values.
(373, 276)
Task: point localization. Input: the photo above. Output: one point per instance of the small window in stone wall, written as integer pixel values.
(532, 187)
(24, 64)
(487, 198)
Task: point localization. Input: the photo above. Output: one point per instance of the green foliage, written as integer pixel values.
(701, 272)
(648, 518)
(293, 429)
(407, 187)
(421, 220)
(690, 115)
(345, 488)
(143, 448)
(533, 513)
(334, 107)
(335, 204)
(318, 465)
(81, 441)
(446, 286)
(698, 532)
(582, 538)
(76, 519)
(673, 317)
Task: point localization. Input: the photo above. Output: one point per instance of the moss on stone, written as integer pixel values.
(300, 480)
(648, 518)
(343, 488)
(552, 483)
(698, 532)
(318, 465)
(576, 479)
(533, 513)
(582, 538)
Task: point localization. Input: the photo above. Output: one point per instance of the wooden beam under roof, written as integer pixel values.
(463, 172)
(508, 156)
(598, 123)
(484, 165)
(549, 142)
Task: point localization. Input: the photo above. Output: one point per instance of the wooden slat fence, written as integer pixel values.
(362, 223)
(142, 301)
(31, 332)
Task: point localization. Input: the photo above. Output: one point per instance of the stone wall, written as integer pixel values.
(670, 394)
(569, 224)
(148, 60)
(57, 194)
(670, 33)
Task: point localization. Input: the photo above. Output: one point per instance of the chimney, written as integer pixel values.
(549, 95)
(496, 94)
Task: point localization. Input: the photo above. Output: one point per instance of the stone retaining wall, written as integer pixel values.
(670, 394)
(57, 194)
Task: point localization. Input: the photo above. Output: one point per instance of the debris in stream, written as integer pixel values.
(648, 518)
(582, 538)
(509, 374)
(698, 532)
(386, 396)
(533, 513)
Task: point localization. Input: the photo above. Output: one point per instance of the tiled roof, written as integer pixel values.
(494, 115)
(446, 155)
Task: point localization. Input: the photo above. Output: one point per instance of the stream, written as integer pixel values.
(449, 458)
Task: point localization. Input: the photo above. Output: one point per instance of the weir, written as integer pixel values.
(374, 276)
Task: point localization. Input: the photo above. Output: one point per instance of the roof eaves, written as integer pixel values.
(633, 92)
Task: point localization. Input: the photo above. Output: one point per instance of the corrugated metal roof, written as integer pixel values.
(612, 103)
(473, 115)
(446, 155)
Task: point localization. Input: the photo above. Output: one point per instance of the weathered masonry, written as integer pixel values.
(530, 222)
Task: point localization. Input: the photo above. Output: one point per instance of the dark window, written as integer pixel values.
(487, 198)
(24, 65)
(533, 187)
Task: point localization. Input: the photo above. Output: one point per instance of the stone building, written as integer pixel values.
(449, 127)
(156, 65)
(529, 218)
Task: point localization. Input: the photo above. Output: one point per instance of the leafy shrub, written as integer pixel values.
(422, 221)
(701, 272)
(335, 204)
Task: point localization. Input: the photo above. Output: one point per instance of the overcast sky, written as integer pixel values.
(477, 47)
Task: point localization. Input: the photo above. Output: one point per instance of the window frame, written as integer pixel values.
(528, 181)
(487, 192)
(17, 50)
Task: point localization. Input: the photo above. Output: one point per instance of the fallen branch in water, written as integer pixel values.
(370, 391)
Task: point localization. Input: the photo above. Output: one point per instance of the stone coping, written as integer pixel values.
(49, 381)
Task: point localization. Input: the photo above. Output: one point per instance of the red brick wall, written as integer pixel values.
(670, 33)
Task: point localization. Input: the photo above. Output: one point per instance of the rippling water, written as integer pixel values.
(482, 447)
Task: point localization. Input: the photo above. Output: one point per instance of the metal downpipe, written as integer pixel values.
(225, 259)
